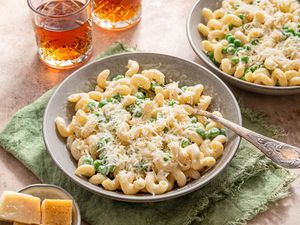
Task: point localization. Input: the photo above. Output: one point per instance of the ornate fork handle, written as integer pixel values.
(283, 154)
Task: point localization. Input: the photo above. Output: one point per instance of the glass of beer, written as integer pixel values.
(117, 14)
(63, 31)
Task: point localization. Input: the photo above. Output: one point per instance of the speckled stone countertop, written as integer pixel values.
(24, 78)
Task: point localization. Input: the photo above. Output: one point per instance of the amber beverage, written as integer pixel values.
(63, 32)
(116, 14)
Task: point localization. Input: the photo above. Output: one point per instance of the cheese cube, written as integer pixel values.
(58, 212)
(20, 208)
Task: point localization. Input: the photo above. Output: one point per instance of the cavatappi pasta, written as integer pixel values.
(255, 40)
(137, 134)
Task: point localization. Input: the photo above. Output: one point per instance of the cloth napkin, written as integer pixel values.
(239, 193)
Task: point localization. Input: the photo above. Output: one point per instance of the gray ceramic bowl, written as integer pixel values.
(195, 39)
(50, 191)
(84, 80)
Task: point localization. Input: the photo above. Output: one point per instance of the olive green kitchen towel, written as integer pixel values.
(238, 194)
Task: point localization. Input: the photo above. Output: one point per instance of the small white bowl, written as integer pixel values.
(50, 191)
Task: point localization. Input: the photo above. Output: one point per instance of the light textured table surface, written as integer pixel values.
(24, 78)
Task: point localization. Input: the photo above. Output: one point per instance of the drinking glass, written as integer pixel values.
(117, 14)
(63, 31)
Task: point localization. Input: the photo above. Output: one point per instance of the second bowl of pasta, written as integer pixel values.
(125, 127)
(252, 44)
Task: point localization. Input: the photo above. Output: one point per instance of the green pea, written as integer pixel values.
(140, 95)
(88, 160)
(254, 42)
(210, 55)
(213, 132)
(243, 78)
(245, 59)
(154, 85)
(102, 103)
(106, 169)
(230, 39)
(172, 102)
(117, 97)
(227, 35)
(224, 50)
(239, 49)
(201, 132)
(103, 169)
(212, 58)
(230, 26)
(185, 143)
(223, 131)
(138, 114)
(231, 50)
(235, 60)
(247, 47)
(253, 68)
(242, 16)
(118, 77)
(237, 43)
(194, 119)
(91, 106)
(97, 163)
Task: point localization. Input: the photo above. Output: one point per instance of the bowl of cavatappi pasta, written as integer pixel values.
(125, 127)
(252, 44)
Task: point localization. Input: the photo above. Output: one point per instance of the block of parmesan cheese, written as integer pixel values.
(58, 212)
(20, 208)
